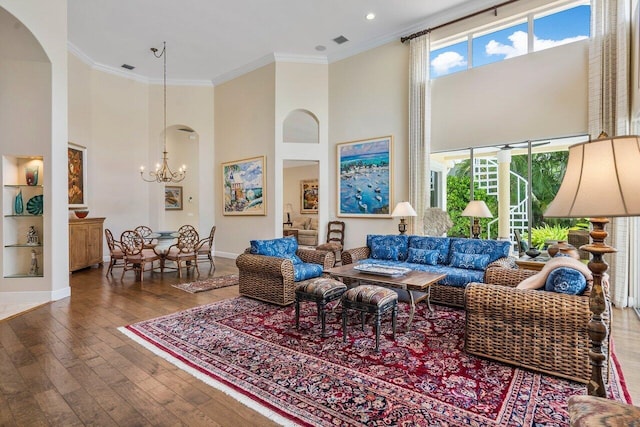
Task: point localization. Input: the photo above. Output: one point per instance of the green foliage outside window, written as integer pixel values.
(458, 198)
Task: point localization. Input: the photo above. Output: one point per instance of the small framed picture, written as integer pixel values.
(309, 196)
(173, 198)
(77, 175)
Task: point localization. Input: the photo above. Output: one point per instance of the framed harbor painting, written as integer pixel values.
(244, 187)
(365, 177)
(309, 196)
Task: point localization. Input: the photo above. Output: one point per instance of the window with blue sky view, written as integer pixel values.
(549, 30)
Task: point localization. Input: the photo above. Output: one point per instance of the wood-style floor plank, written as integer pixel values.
(65, 363)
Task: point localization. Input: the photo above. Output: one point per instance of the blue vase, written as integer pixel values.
(18, 204)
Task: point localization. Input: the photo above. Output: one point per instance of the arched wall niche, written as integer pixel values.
(301, 126)
(182, 150)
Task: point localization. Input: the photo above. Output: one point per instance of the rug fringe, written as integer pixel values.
(273, 416)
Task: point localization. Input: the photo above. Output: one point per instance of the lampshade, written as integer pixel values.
(602, 180)
(404, 209)
(478, 209)
(288, 208)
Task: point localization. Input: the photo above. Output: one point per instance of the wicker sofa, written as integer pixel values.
(535, 329)
(449, 291)
(271, 278)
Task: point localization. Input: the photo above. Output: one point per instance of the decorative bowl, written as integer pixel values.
(81, 214)
(533, 252)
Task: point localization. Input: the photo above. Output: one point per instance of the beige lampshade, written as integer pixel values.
(478, 209)
(602, 180)
(404, 209)
(288, 208)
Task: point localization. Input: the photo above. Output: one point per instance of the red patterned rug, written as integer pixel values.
(253, 352)
(208, 284)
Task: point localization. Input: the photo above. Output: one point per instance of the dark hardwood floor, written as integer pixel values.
(65, 363)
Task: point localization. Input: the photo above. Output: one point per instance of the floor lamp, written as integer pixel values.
(602, 180)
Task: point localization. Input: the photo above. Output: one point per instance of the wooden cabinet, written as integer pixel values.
(85, 242)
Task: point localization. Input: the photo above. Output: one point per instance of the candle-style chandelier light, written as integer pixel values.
(163, 172)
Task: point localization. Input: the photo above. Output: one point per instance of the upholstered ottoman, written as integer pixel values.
(370, 299)
(321, 290)
(590, 411)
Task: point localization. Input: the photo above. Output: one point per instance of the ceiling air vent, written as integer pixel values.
(341, 39)
(127, 66)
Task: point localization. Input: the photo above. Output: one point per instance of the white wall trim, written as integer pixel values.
(34, 297)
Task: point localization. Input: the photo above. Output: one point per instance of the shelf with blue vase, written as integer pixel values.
(23, 210)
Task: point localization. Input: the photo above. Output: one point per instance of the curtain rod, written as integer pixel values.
(471, 15)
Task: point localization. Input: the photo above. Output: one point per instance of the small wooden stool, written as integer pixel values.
(321, 290)
(370, 299)
(590, 411)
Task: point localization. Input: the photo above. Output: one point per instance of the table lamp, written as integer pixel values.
(476, 209)
(288, 208)
(602, 180)
(403, 209)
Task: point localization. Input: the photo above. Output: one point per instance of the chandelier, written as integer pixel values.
(163, 172)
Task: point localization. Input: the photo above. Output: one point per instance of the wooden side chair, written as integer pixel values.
(185, 251)
(335, 240)
(146, 232)
(204, 249)
(115, 251)
(186, 228)
(135, 255)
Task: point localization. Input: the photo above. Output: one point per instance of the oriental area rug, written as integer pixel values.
(208, 284)
(253, 352)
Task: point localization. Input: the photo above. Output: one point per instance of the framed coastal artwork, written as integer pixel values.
(309, 196)
(244, 187)
(365, 177)
(172, 198)
(77, 175)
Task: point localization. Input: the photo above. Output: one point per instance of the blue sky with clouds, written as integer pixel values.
(552, 30)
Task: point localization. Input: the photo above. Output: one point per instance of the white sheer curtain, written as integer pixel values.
(419, 128)
(609, 111)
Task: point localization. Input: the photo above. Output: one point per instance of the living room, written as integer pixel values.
(117, 117)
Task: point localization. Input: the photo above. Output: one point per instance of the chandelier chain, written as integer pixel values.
(163, 173)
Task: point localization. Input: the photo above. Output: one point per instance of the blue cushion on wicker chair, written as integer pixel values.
(566, 280)
(306, 270)
(285, 247)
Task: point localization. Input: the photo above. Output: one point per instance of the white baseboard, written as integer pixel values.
(226, 255)
(34, 297)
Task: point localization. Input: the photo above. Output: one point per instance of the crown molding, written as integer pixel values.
(129, 74)
(301, 59)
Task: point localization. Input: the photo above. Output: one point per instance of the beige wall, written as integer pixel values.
(368, 97)
(40, 129)
(244, 128)
(120, 121)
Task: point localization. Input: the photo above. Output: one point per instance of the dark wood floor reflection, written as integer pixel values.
(66, 364)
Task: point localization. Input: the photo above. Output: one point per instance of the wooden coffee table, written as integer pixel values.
(413, 281)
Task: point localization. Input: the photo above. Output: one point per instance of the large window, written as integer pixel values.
(508, 39)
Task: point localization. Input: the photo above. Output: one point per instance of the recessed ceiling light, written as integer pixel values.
(321, 48)
(370, 16)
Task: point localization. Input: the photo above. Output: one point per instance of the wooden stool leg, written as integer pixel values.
(394, 316)
(377, 326)
(323, 316)
(297, 314)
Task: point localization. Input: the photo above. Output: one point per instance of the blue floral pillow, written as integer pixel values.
(423, 256)
(285, 247)
(566, 280)
(469, 261)
(390, 247)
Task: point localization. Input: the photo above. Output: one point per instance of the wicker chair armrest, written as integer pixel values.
(351, 256)
(278, 267)
(526, 304)
(510, 277)
(325, 258)
(504, 262)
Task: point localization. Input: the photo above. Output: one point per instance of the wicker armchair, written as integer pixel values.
(539, 330)
(270, 279)
(440, 294)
